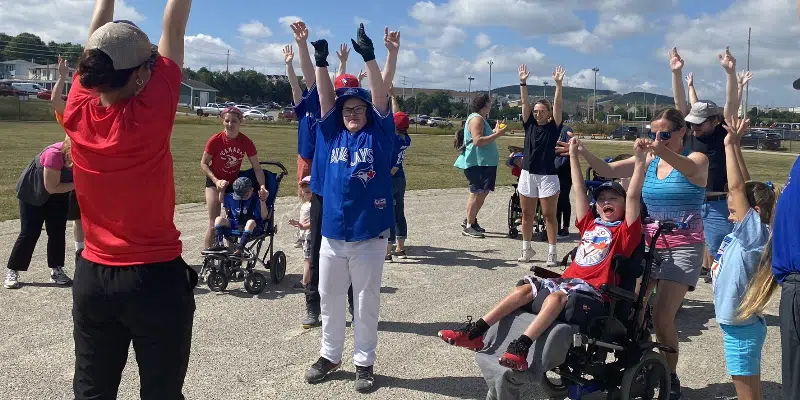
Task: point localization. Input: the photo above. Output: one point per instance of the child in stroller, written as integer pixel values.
(514, 208)
(244, 214)
(613, 226)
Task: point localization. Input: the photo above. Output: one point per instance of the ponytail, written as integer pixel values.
(761, 287)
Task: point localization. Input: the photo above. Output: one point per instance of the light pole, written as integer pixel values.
(544, 89)
(490, 62)
(469, 90)
(594, 107)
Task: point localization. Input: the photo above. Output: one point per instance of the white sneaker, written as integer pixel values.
(12, 279)
(552, 260)
(58, 276)
(527, 255)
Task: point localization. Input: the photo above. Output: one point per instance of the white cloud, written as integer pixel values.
(360, 20)
(582, 41)
(482, 40)
(443, 38)
(313, 31)
(619, 25)
(585, 79)
(508, 59)
(612, 84)
(59, 20)
(211, 52)
(647, 86)
(254, 29)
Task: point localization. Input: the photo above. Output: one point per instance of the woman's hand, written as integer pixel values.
(300, 31)
(295, 223)
(63, 68)
(744, 77)
(263, 193)
(690, 79)
(500, 127)
(575, 147)
(675, 60)
(641, 148)
(362, 75)
(221, 184)
(727, 60)
(343, 53)
(558, 75)
(523, 73)
(391, 40)
(736, 128)
(288, 54)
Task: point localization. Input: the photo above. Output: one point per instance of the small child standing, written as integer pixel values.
(304, 225)
(741, 280)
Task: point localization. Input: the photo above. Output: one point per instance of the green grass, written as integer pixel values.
(429, 163)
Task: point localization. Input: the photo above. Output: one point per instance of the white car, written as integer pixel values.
(255, 114)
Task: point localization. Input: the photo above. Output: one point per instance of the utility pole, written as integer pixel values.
(469, 89)
(747, 91)
(227, 60)
(544, 90)
(404, 86)
(490, 62)
(594, 108)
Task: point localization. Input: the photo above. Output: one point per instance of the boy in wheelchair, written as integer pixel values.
(612, 228)
(245, 216)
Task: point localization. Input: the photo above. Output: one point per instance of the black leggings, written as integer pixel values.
(53, 215)
(563, 213)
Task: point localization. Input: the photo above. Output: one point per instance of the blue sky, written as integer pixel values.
(444, 41)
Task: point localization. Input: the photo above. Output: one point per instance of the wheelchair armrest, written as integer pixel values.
(617, 293)
(544, 273)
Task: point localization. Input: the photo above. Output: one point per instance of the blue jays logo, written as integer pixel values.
(347, 82)
(594, 247)
(365, 175)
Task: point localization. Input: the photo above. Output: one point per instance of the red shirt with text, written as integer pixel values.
(227, 154)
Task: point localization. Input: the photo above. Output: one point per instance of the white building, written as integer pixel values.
(16, 69)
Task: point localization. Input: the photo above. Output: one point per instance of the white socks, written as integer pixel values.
(526, 244)
(551, 249)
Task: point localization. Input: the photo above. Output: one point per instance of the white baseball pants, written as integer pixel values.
(340, 265)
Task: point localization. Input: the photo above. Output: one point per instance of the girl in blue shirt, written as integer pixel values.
(358, 130)
(739, 278)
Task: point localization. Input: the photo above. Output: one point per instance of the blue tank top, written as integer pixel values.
(677, 199)
(472, 156)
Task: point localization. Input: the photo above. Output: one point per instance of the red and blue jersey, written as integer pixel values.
(358, 188)
(307, 112)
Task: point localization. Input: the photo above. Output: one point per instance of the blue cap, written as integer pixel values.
(610, 185)
(345, 93)
(241, 186)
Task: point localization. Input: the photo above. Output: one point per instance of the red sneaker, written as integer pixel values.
(515, 357)
(460, 336)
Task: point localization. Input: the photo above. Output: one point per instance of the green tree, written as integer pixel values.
(28, 47)
(4, 40)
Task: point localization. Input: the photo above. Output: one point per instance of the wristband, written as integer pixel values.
(523, 83)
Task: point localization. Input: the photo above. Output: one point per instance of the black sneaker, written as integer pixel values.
(475, 225)
(365, 379)
(388, 258)
(563, 232)
(472, 232)
(400, 254)
(312, 318)
(320, 370)
(675, 387)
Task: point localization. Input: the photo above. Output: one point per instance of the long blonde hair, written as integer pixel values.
(66, 152)
(763, 284)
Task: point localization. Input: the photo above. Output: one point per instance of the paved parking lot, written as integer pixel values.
(252, 347)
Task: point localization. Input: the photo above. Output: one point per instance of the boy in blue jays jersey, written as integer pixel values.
(358, 130)
(245, 215)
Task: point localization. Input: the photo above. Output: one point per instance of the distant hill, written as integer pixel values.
(639, 97)
(578, 95)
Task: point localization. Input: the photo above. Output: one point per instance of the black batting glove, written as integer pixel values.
(364, 45)
(320, 53)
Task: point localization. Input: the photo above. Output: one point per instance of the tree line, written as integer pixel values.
(29, 47)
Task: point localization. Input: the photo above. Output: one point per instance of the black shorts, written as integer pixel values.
(74, 210)
(481, 178)
(210, 184)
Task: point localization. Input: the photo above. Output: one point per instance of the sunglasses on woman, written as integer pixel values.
(667, 135)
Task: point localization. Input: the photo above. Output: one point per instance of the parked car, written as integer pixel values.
(255, 114)
(210, 109)
(8, 90)
(46, 94)
(436, 121)
(423, 119)
(762, 140)
(287, 114)
(243, 107)
(625, 133)
(27, 87)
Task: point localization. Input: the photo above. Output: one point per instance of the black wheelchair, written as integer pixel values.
(220, 268)
(593, 346)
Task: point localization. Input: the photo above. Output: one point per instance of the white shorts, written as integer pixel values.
(538, 186)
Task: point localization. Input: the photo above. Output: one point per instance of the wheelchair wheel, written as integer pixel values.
(553, 386)
(277, 267)
(217, 281)
(647, 380)
(513, 233)
(255, 283)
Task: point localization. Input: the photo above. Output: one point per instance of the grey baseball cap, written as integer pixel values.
(701, 111)
(241, 186)
(123, 42)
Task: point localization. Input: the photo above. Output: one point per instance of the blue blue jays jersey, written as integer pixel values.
(238, 212)
(401, 144)
(307, 113)
(358, 186)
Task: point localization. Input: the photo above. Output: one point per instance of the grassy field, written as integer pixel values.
(429, 162)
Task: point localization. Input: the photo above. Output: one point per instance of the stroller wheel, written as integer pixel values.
(648, 379)
(255, 283)
(513, 233)
(277, 267)
(217, 281)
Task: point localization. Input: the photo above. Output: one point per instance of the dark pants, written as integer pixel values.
(400, 229)
(151, 305)
(53, 215)
(315, 237)
(563, 212)
(790, 336)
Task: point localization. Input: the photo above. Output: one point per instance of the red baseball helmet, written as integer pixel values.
(346, 81)
(401, 121)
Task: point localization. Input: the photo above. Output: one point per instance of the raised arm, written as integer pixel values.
(579, 185)
(731, 83)
(633, 199)
(692, 91)
(395, 106)
(735, 167)
(58, 89)
(288, 56)
(558, 77)
(306, 66)
(476, 129)
(365, 47)
(678, 92)
(103, 14)
(327, 96)
(361, 76)
(617, 169)
(176, 15)
(743, 79)
(694, 166)
(392, 42)
(523, 92)
(343, 54)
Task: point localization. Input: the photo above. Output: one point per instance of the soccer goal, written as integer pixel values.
(611, 118)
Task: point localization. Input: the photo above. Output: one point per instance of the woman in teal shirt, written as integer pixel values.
(478, 159)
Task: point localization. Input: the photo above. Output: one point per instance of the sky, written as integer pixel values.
(443, 42)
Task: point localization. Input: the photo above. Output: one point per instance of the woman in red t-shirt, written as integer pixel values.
(221, 162)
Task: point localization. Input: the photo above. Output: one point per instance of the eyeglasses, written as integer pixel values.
(662, 135)
(357, 110)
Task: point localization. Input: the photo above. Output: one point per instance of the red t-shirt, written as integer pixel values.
(227, 154)
(123, 170)
(597, 248)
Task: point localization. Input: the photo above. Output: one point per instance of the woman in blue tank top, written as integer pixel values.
(674, 189)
